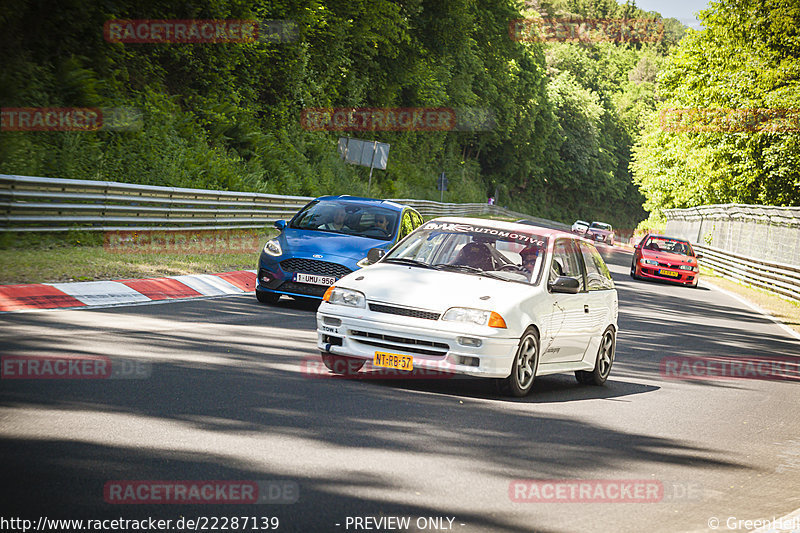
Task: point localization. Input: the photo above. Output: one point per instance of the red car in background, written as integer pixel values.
(665, 259)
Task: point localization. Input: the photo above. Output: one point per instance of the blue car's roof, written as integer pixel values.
(362, 201)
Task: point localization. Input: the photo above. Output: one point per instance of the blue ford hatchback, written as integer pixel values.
(326, 240)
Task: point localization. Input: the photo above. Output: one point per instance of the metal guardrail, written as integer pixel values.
(754, 244)
(430, 208)
(773, 277)
(54, 204)
(766, 232)
(33, 204)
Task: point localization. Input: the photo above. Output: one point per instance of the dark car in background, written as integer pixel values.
(326, 240)
(600, 232)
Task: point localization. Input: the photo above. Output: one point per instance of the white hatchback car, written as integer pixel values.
(580, 227)
(476, 297)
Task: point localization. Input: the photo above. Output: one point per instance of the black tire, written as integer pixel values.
(525, 365)
(633, 271)
(344, 366)
(603, 361)
(267, 297)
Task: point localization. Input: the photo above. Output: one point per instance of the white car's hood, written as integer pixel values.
(434, 290)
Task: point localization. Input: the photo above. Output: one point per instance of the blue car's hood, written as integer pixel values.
(332, 246)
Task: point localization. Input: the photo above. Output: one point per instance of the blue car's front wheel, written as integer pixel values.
(267, 297)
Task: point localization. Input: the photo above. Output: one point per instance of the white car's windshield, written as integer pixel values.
(348, 218)
(474, 249)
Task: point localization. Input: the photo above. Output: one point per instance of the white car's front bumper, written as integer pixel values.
(433, 345)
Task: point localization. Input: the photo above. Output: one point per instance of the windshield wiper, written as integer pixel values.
(495, 275)
(406, 261)
(471, 270)
(461, 268)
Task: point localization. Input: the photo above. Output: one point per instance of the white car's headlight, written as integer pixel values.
(648, 262)
(475, 316)
(339, 296)
(273, 247)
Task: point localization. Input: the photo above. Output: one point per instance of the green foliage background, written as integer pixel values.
(226, 116)
(747, 57)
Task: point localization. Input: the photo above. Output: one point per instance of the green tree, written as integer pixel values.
(746, 58)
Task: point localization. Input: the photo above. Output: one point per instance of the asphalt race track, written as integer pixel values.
(229, 389)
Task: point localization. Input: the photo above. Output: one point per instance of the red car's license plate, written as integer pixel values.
(669, 273)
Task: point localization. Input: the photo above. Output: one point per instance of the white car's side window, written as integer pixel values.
(565, 262)
(598, 276)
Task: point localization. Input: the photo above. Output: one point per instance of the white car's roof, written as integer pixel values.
(503, 225)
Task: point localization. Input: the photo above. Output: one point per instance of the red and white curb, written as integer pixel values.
(84, 294)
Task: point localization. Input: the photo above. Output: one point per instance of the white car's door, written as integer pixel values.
(568, 325)
(598, 285)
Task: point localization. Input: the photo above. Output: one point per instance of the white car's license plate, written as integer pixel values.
(314, 279)
(393, 360)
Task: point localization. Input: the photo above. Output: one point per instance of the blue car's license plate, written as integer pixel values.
(314, 279)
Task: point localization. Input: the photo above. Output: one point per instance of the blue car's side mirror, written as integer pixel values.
(280, 224)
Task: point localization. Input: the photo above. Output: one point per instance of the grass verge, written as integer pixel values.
(93, 257)
(784, 310)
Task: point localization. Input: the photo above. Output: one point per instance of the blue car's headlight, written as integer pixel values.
(273, 248)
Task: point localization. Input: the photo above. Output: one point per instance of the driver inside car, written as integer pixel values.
(530, 256)
(337, 220)
(382, 223)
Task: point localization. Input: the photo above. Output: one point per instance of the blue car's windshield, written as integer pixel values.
(347, 218)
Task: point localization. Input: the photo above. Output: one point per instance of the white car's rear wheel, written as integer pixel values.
(526, 362)
(603, 362)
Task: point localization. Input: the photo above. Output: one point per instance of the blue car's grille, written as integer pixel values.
(303, 288)
(311, 266)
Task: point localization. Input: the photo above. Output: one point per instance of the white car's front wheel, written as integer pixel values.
(526, 362)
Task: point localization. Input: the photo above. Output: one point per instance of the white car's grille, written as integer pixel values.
(402, 344)
(403, 311)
